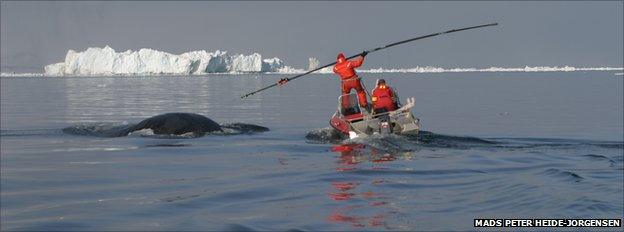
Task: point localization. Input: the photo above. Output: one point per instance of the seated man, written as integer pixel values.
(384, 98)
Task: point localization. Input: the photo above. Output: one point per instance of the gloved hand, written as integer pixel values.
(364, 53)
(282, 81)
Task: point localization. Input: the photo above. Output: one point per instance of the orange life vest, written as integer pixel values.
(383, 98)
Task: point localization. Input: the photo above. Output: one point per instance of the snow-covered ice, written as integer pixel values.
(313, 63)
(106, 61)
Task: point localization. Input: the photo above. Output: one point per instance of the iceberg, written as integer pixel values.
(288, 70)
(242, 63)
(273, 64)
(106, 61)
(57, 69)
(97, 61)
(208, 62)
(313, 63)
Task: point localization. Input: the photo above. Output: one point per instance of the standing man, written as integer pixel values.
(350, 80)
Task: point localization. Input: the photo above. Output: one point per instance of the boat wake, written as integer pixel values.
(325, 135)
(429, 140)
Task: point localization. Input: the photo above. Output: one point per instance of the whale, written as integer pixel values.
(170, 124)
(177, 124)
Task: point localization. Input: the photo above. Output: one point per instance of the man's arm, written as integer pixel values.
(357, 62)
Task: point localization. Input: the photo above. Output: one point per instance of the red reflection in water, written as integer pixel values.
(340, 196)
(338, 216)
(344, 186)
(348, 155)
(351, 155)
(355, 221)
(370, 194)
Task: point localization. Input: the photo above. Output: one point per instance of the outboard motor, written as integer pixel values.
(384, 125)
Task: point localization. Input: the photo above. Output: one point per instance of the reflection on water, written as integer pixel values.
(354, 153)
(147, 96)
(379, 184)
(118, 99)
(361, 203)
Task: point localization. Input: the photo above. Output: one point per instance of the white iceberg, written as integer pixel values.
(242, 63)
(289, 70)
(313, 63)
(273, 64)
(208, 62)
(57, 69)
(106, 61)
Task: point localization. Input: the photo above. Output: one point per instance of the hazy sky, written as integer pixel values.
(34, 34)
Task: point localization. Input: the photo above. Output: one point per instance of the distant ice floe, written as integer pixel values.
(106, 61)
(12, 74)
(429, 69)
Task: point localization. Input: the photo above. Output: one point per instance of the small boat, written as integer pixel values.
(355, 121)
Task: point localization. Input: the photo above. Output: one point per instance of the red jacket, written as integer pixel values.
(345, 68)
(383, 97)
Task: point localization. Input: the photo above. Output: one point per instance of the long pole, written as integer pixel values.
(368, 51)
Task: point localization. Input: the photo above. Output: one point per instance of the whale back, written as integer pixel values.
(178, 123)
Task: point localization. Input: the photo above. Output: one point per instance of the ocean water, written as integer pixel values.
(494, 145)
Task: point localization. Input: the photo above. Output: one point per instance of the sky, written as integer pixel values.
(575, 33)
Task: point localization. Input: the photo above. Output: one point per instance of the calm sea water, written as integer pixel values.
(501, 145)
